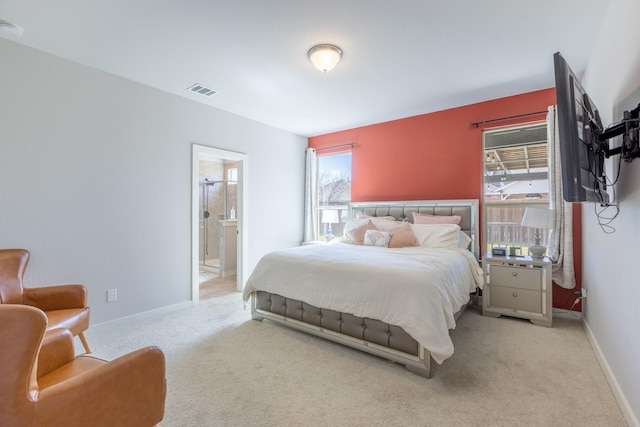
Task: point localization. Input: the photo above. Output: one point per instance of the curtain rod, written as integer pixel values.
(477, 124)
(351, 144)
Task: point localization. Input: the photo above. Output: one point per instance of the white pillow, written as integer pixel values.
(377, 238)
(463, 240)
(437, 236)
(384, 224)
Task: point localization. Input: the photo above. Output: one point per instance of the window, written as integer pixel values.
(334, 192)
(232, 175)
(516, 175)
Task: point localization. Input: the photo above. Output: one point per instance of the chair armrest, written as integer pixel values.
(57, 349)
(128, 391)
(57, 297)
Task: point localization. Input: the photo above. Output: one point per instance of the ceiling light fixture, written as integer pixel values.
(325, 56)
(10, 28)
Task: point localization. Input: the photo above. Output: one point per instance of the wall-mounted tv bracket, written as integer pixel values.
(629, 127)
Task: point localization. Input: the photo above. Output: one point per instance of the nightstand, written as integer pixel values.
(518, 287)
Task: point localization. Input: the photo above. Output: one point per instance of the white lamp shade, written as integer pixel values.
(330, 216)
(325, 56)
(538, 218)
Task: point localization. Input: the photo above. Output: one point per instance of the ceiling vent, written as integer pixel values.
(202, 90)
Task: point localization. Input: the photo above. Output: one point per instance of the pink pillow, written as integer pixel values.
(402, 236)
(356, 234)
(383, 218)
(420, 218)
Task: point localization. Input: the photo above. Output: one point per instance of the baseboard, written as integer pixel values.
(625, 407)
(127, 319)
(566, 314)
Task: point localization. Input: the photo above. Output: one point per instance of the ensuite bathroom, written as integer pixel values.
(218, 185)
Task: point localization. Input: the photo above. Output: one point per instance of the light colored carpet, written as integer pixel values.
(216, 287)
(224, 369)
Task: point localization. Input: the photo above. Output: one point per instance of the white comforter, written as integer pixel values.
(416, 288)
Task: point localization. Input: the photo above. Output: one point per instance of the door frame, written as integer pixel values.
(203, 152)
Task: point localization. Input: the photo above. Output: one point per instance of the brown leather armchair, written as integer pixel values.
(43, 383)
(64, 305)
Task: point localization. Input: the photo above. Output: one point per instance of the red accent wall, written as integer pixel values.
(434, 156)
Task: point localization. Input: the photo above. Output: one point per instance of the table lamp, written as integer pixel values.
(537, 218)
(329, 216)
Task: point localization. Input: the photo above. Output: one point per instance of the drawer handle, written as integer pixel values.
(515, 273)
(515, 294)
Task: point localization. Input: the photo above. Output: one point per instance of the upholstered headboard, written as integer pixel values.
(467, 209)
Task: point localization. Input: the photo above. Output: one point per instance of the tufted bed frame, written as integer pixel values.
(370, 335)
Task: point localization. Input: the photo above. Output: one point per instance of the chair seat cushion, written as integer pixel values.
(74, 319)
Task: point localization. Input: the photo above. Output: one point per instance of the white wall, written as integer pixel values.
(610, 261)
(95, 175)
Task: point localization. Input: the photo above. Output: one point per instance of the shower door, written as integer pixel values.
(218, 204)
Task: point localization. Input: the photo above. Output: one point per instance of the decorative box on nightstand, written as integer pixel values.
(518, 287)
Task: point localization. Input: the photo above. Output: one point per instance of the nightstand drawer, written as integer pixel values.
(516, 277)
(518, 299)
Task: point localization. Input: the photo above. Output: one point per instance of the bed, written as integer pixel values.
(397, 302)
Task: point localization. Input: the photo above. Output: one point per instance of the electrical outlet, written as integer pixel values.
(112, 295)
(584, 293)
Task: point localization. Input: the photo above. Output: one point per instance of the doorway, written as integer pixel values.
(217, 212)
(218, 221)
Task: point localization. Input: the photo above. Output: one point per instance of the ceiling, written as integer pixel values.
(401, 58)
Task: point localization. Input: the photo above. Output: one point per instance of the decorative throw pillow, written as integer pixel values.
(437, 236)
(402, 236)
(420, 218)
(377, 238)
(354, 231)
(348, 226)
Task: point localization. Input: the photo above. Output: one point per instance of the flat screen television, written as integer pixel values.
(582, 153)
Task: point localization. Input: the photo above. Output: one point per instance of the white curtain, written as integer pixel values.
(561, 243)
(311, 197)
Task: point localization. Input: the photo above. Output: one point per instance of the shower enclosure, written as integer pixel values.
(218, 204)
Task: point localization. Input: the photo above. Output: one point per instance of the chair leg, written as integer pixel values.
(85, 342)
